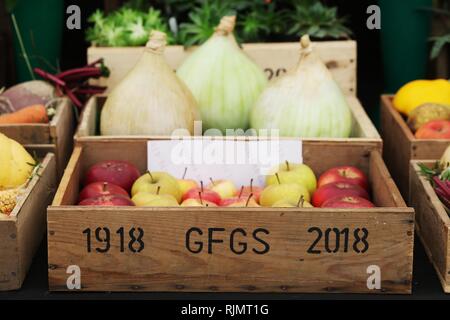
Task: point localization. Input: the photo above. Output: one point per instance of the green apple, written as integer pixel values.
(164, 200)
(225, 188)
(141, 198)
(151, 182)
(287, 192)
(288, 204)
(295, 173)
(145, 199)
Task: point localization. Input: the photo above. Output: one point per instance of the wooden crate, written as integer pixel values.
(55, 137)
(433, 222)
(298, 260)
(274, 58)
(364, 131)
(400, 146)
(22, 232)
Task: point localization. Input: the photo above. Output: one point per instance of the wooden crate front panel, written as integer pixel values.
(400, 146)
(274, 58)
(432, 224)
(22, 232)
(238, 250)
(168, 260)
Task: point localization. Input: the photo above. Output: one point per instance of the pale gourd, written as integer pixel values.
(16, 164)
(223, 79)
(306, 102)
(151, 99)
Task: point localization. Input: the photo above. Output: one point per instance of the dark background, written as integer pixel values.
(74, 46)
(370, 86)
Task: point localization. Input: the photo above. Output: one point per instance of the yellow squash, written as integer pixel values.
(16, 164)
(419, 92)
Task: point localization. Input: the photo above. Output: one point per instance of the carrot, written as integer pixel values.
(32, 114)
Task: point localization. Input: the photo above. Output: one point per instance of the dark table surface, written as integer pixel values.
(425, 286)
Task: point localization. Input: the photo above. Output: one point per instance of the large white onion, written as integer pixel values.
(151, 99)
(225, 82)
(306, 102)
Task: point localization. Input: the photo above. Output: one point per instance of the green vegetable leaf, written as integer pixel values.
(439, 43)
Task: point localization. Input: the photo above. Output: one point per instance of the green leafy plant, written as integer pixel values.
(319, 21)
(257, 20)
(203, 19)
(125, 27)
(439, 43)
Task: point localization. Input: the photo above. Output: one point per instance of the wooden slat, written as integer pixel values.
(339, 56)
(62, 133)
(9, 258)
(432, 222)
(31, 217)
(21, 233)
(400, 146)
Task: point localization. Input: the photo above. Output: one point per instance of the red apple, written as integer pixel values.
(97, 189)
(346, 174)
(107, 201)
(205, 195)
(436, 129)
(120, 173)
(347, 202)
(337, 189)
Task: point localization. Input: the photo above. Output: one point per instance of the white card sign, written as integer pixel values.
(205, 159)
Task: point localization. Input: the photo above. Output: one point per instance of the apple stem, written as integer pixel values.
(278, 178)
(158, 190)
(150, 174)
(248, 200)
(105, 185)
(300, 202)
(287, 166)
(212, 181)
(200, 197)
(240, 192)
(201, 186)
(184, 174)
(251, 185)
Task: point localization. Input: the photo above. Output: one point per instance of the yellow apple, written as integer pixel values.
(244, 203)
(295, 173)
(287, 204)
(288, 192)
(141, 198)
(144, 199)
(191, 202)
(163, 200)
(151, 182)
(186, 184)
(225, 188)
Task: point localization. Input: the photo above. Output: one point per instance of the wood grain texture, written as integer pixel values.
(432, 222)
(62, 134)
(400, 146)
(273, 58)
(165, 263)
(22, 232)
(9, 255)
(58, 133)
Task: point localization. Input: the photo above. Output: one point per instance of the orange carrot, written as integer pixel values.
(32, 114)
